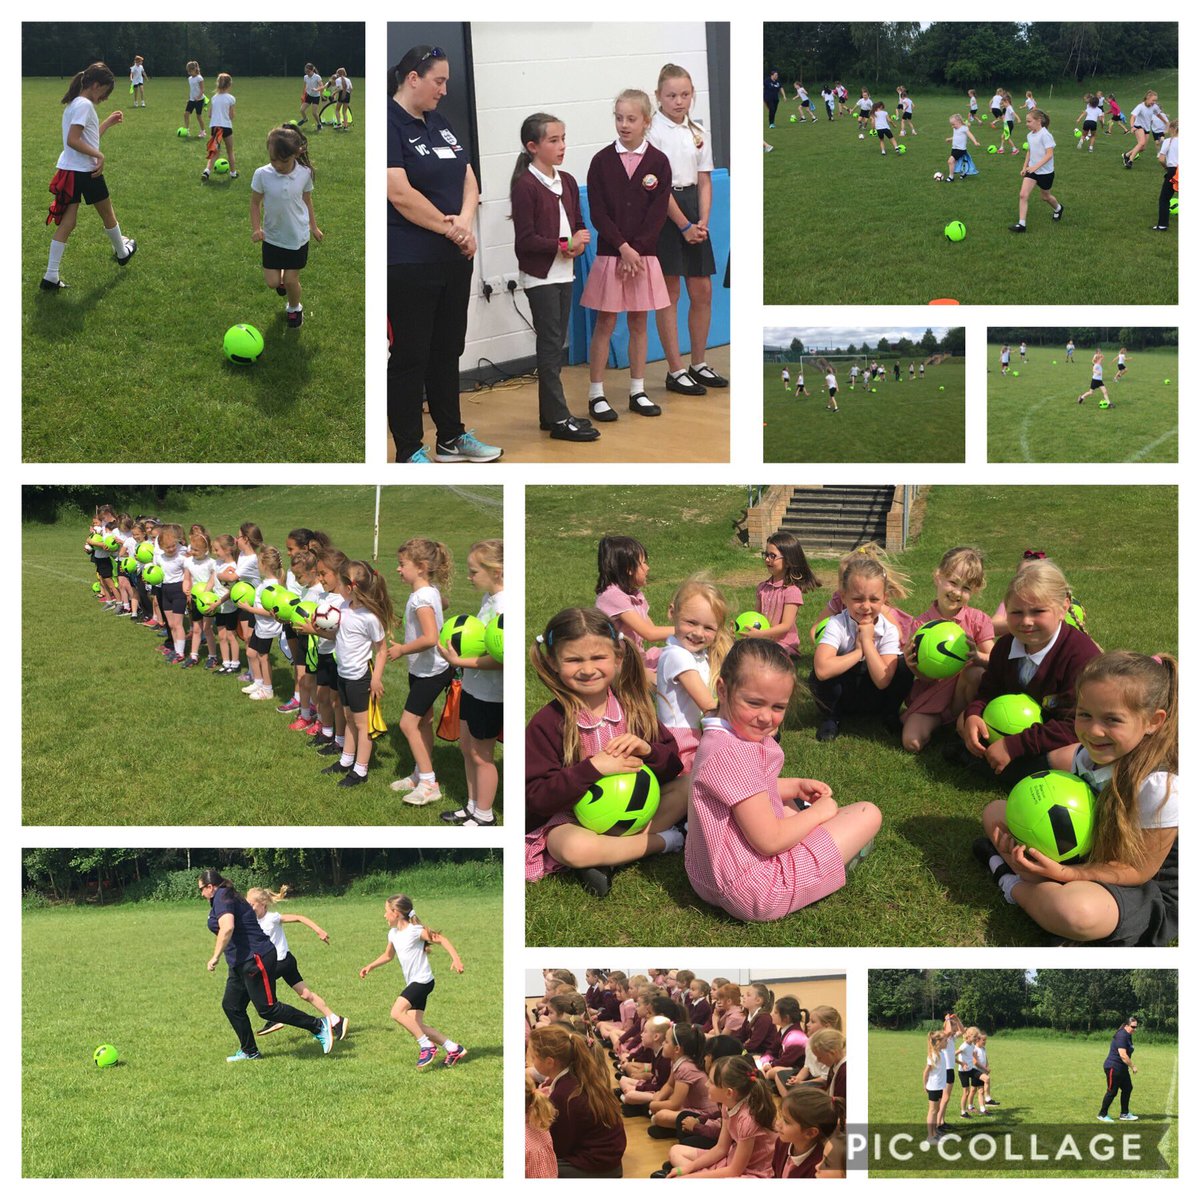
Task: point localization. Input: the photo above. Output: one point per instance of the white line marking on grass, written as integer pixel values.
(479, 499)
(1166, 1142)
(1025, 452)
(60, 574)
(1150, 445)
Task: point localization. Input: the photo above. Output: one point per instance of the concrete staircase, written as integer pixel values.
(829, 520)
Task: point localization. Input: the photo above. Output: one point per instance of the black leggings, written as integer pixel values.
(772, 106)
(1164, 197)
(853, 693)
(427, 308)
(250, 983)
(1118, 1079)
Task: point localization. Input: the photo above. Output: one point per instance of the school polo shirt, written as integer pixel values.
(248, 938)
(436, 165)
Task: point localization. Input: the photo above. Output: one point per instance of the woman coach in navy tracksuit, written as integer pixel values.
(1117, 1068)
(251, 957)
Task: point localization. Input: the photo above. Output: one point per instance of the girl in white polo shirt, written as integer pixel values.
(425, 565)
(312, 93)
(195, 100)
(831, 386)
(482, 701)
(169, 556)
(266, 627)
(410, 941)
(282, 216)
(684, 246)
(883, 125)
(222, 109)
(1038, 168)
(137, 81)
(1143, 120)
(342, 87)
(1168, 156)
(80, 170)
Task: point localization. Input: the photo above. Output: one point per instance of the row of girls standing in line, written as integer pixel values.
(649, 197)
(575, 1126)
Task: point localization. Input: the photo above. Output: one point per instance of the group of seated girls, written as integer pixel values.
(704, 712)
(744, 1084)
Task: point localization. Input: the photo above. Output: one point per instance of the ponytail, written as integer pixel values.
(98, 72)
(533, 129)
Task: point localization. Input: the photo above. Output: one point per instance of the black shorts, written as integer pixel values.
(1096, 384)
(311, 99)
(105, 567)
(676, 256)
(417, 994)
(288, 970)
(261, 645)
(194, 106)
(280, 258)
(1045, 182)
(832, 393)
(171, 599)
(226, 620)
(484, 718)
(341, 98)
(976, 1076)
(1089, 127)
(1010, 125)
(423, 691)
(934, 1096)
(1148, 915)
(1121, 368)
(194, 613)
(997, 111)
(89, 188)
(326, 672)
(884, 133)
(964, 1078)
(957, 154)
(1158, 137)
(355, 693)
(224, 130)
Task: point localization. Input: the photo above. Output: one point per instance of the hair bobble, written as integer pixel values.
(541, 641)
(1034, 554)
(752, 1076)
(1157, 658)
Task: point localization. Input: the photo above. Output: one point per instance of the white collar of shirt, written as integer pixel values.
(1017, 650)
(711, 723)
(551, 1082)
(612, 714)
(729, 1112)
(699, 655)
(1096, 777)
(797, 1159)
(638, 150)
(555, 183)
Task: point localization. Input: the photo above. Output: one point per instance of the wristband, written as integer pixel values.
(685, 228)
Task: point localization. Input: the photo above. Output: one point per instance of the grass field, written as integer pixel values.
(1040, 1080)
(882, 243)
(103, 714)
(174, 1107)
(1141, 426)
(913, 421)
(127, 364)
(921, 885)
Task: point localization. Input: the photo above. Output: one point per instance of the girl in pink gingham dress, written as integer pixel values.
(622, 570)
(600, 722)
(746, 1146)
(540, 1159)
(933, 703)
(781, 594)
(759, 846)
(628, 191)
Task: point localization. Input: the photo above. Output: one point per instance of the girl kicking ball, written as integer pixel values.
(221, 112)
(1097, 380)
(284, 189)
(409, 940)
(959, 133)
(1038, 169)
(80, 170)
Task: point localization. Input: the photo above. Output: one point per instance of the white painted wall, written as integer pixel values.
(573, 71)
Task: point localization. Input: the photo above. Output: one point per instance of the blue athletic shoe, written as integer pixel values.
(325, 1036)
(242, 1056)
(1108, 1119)
(466, 448)
(426, 1057)
(421, 456)
(453, 1056)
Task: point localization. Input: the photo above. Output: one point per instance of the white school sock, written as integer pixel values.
(346, 760)
(298, 308)
(678, 374)
(450, 1044)
(636, 385)
(424, 1043)
(423, 778)
(595, 391)
(1007, 883)
(360, 769)
(340, 741)
(179, 645)
(673, 841)
(118, 240)
(334, 1018)
(57, 249)
(327, 731)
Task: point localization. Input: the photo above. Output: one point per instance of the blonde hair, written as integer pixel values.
(629, 686)
(571, 1051)
(826, 1041)
(935, 1041)
(539, 1112)
(658, 1025)
(489, 554)
(262, 895)
(706, 590)
(224, 81)
(1147, 685)
(638, 97)
(675, 71)
(433, 558)
(896, 583)
(270, 562)
(966, 563)
(1039, 579)
(828, 1016)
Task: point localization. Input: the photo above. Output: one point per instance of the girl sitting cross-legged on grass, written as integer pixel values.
(601, 722)
(759, 846)
(1127, 891)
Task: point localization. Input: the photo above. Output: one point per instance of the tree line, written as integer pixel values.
(962, 54)
(105, 875)
(954, 342)
(249, 48)
(1076, 1001)
(1135, 339)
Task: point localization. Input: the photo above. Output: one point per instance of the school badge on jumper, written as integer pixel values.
(649, 182)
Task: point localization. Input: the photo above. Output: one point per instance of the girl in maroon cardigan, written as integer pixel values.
(807, 1119)
(588, 1133)
(629, 189)
(1042, 657)
(601, 722)
(549, 235)
(758, 1035)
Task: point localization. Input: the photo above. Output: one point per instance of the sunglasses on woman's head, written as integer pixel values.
(436, 52)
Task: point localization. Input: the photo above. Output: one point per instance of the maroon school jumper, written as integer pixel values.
(622, 208)
(1052, 686)
(759, 1036)
(782, 1166)
(578, 1138)
(608, 1009)
(534, 210)
(699, 1012)
(551, 788)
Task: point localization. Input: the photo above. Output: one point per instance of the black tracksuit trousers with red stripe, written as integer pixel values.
(1118, 1080)
(250, 983)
